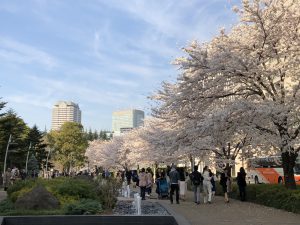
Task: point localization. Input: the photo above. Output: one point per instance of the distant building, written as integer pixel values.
(65, 112)
(125, 120)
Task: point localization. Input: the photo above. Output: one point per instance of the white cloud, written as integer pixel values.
(122, 82)
(176, 19)
(107, 63)
(30, 99)
(53, 89)
(169, 26)
(18, 52)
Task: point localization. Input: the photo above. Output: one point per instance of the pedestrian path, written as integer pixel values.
(232, 213)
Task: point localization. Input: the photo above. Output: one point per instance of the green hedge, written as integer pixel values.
(107, 191)
(76, 195)
(272, 195)
(83, 207)
(65, 189)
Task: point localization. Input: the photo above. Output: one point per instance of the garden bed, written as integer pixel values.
(76, 196)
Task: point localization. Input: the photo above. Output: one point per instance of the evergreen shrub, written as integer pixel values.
(272, 195)
(74, 195)
(107, 191)
(84, 207)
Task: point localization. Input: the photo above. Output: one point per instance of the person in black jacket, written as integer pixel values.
(174, 182)
(241, 181)
(196, 179)
(225, 177)
(128, 175)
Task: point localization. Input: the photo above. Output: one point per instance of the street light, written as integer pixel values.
(7, 147)
(27, 158)
(47, 160)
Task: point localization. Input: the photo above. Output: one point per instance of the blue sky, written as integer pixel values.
(102, 54)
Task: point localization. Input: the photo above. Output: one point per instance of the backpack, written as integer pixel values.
(196, 178)
(135, 178)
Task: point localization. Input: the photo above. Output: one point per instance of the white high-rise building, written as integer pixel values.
(65, 112)
(126, 120)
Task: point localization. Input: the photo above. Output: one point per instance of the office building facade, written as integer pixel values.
(65, 111)
(125, 120)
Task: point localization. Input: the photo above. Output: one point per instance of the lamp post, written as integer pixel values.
(7, 147)
(48, 160)
(27, 158)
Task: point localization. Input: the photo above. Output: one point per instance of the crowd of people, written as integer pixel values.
(168, 181)
(173, 181)
(11, 175)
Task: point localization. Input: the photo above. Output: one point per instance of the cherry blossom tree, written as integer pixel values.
(256, 62)
(129, 150)
(109, 154)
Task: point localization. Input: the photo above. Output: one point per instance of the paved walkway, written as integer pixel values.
(233, 213)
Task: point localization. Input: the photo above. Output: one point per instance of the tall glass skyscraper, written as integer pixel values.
(125, 120)
(65, 112)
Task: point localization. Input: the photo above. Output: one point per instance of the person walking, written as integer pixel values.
(143, 183)
(7, 179)
(207, 185)
(224, 181)
(241, 181)
(135, 179)
(182, 184)
(213, 183)
(14, 174)
(149, 182)
(119, 177)
(174, 179)
(196, 179)
(128, 175)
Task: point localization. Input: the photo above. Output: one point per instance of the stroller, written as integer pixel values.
(162, 188)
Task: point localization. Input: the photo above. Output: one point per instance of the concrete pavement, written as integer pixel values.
(232, 213)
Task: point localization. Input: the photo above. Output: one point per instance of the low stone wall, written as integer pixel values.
(91, 220)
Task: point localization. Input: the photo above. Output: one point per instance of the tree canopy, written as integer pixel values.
(238, 91)
(69, 144)
(12, 124)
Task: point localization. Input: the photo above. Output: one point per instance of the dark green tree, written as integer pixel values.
(12, 124)
(103, 135)
(33, 166)
(36, 139)
(90, 135)
(2, 105)
(95, 135)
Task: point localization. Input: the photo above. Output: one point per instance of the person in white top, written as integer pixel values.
(207, 185)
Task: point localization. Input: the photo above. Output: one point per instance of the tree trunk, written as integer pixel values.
(192, 161)
(288, 164)
(288, 155)
(228, 168)
(155, 170)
